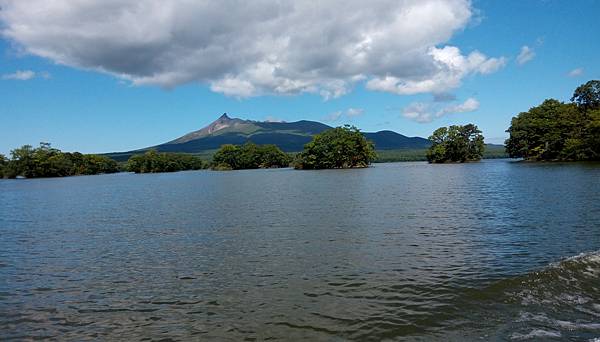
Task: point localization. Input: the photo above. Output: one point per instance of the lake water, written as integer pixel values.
(496, 250)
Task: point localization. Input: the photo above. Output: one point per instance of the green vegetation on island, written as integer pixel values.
(340, 147)
(559, 131)
(153, 162)
(456, 143)
(405, 155)
(249, 156)
(46, 161)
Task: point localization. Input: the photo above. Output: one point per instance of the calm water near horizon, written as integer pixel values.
(496, 250)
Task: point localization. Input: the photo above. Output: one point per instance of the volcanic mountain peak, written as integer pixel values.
(223, 122)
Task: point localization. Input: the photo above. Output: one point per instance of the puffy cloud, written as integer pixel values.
(427, 112)
(419, 112)
(348, 114)
(575, 72)
(451, 66)
(243, 49)
(19, 75)
(526, 55)
(470, 105)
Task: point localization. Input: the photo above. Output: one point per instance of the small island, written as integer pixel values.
(456, 144)
(558, 131)
(249, 156)
(337, 148)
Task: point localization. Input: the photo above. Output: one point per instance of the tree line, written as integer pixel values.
(46, 161)
(153, 162)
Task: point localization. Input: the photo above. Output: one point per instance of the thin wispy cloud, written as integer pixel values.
(270, 118)
(347, 114)
(354, 112)
(245, 49)
(526, 55)
(25, 75)
(423, 112)
(19, 75)
(576, 72)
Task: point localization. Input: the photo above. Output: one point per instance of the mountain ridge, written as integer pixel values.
(288, 136)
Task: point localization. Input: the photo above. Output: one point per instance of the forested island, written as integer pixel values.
(456, 144)
(249, 156)
(46, 161)
(558, 131)
(340, 147)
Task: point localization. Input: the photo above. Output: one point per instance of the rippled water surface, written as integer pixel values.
(495, 250)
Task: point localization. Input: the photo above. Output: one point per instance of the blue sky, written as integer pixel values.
(51, 91)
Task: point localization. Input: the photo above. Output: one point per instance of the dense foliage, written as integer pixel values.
(340, 147)
(3, 162)
(45, 161)
(152, 162)
(249, 156)
(456, 144)
(559, 131)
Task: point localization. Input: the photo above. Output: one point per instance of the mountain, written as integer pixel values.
(288, 136)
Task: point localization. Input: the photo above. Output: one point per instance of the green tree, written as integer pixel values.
(46, 161)
(592, 135)
(21, 162)
(249, 156)
(555, 131)
(587, 96)
(3, 162)
(340, 147)
(456, 144)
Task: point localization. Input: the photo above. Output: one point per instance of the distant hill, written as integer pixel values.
(288, 136)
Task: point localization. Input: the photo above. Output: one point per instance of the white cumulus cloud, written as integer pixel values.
(249, 48)
(526, 55)
(423, 112)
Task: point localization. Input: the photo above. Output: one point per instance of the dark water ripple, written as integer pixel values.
(408, 251)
